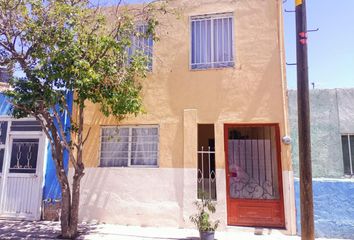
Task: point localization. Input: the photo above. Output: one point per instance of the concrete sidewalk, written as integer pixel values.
(93, 231)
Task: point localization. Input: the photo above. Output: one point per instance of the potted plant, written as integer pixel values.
(202, 220)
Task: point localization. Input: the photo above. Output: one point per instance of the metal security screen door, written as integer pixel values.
(21, 175)
(253, 176)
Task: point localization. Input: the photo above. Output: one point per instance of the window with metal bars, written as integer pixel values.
(212, 41)
(5, 75)
(348, 153)
(142, 44)
(129, 146)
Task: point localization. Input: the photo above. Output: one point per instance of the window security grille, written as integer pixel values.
(252, 163)
(348, 153)
(212, 41)
(206, 172)
(24, 156)
(129, 146)
(142, 44)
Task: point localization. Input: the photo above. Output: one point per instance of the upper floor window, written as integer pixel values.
(129, 146)
(5, 75)
(142, 44)
(348, 153)
(212, 41)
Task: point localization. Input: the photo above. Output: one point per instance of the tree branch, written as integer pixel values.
(63, 138)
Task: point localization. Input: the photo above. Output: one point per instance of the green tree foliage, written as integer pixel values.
(71, 45)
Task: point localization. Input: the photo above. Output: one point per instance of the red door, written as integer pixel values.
(253, 175)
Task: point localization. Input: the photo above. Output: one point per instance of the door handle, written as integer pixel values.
(232, 174)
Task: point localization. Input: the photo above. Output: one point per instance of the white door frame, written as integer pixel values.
(38, 174)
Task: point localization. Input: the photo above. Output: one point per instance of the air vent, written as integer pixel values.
(26, 126)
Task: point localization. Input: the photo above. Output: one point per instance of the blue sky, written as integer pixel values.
(331, 49)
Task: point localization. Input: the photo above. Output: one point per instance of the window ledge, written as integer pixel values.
(128, 167)
(235, 67)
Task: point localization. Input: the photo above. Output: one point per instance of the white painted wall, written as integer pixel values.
(144, 196)
(156, 196)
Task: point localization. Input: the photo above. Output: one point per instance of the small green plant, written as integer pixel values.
(202, 219)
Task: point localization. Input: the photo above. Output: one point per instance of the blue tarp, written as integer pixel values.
(52, 189)
(4, 106)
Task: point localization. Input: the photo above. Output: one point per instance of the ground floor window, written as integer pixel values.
(124, 146)
(348, 153)
(206, 162)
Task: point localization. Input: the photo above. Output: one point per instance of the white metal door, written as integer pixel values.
(21, 180)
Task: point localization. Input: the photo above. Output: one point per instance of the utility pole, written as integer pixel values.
(306, 195)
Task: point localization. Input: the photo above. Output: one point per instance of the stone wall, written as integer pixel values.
(332, 113)
(333, 208)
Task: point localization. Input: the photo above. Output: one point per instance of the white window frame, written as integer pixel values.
(212, 16)
(131, 127)
(350, 150)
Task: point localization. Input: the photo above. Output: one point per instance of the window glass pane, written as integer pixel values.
(114, 147)
(226, 40)
(193, 42)
(3, 132)
(352, 152)
(230, 40)
(220, 44)
(346, 159)
(198, 40)
(24, 156)
(1, 158)
(208, 41)
(144, 146)
(202, 42)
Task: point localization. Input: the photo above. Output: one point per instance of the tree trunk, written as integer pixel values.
(66, 231)
(70, 206)
(74, 215)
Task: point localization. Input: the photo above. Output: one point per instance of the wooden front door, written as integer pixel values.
(253, 176)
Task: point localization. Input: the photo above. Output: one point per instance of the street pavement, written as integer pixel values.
(95, 231)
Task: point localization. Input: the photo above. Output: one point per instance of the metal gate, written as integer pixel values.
(253, 175)
(21, 171)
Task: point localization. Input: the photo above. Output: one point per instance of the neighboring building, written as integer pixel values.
(216, 111)
(332, 137)
(29, 188)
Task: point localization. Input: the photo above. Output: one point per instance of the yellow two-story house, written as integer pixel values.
(216, 116)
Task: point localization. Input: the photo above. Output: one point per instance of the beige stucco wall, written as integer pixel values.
(251, 92)
(177, 98)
